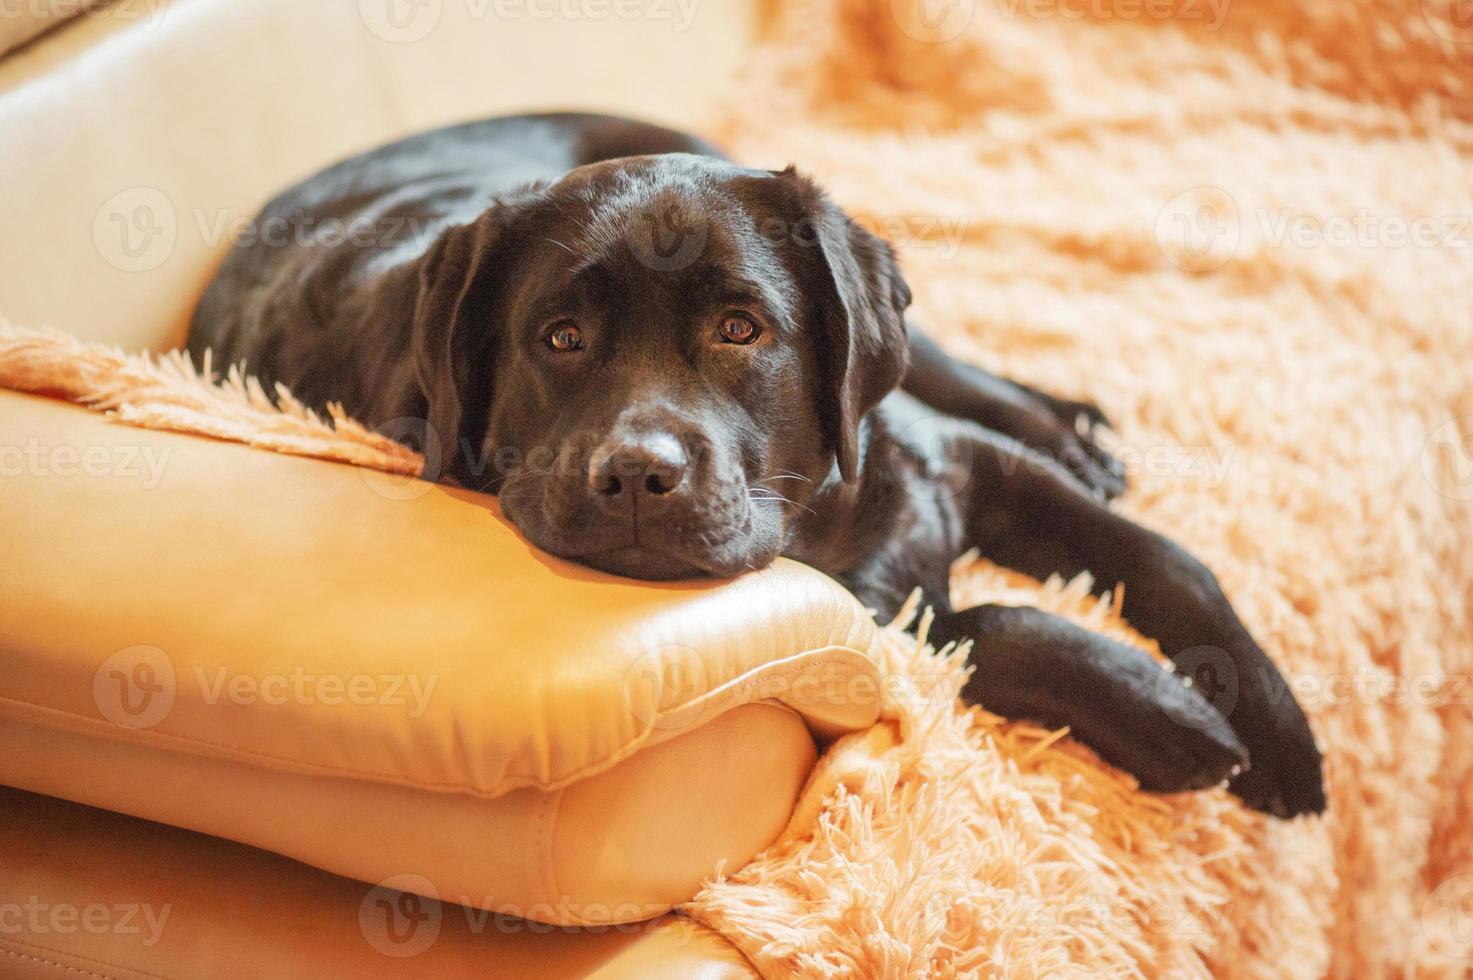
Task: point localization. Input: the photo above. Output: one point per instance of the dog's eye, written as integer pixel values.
(739, 330)
(565, 337)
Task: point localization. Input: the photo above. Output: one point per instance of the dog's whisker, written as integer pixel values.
(767, 493)
(507, 481)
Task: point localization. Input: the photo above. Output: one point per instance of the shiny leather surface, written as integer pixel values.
(214, 625)
(86, 893)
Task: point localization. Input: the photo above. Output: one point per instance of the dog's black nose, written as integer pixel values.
(649, 465)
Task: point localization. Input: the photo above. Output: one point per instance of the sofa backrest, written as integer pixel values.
(139, 137)
(23, 21)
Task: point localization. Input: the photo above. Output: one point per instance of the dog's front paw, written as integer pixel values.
(1079, 416)
(1093, 465)
(1285, 774)
(1150, 725)
(1179, 602)
(1114, 697)
(1073, 428)
(1178, 741)
(1286, 779)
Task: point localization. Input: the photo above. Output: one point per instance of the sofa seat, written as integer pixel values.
(88, 893)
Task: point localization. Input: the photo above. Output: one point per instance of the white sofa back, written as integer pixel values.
(135, 140)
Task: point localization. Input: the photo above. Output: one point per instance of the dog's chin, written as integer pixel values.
(635, 561)
(655, 556)
(654, 563)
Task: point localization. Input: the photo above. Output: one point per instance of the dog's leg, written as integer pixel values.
(1062, 429)
(1035, 665)
(1117, 700)
(1028, 663)
(1025, 511)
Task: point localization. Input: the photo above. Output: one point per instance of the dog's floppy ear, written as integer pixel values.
(861, 298)
(454, 333)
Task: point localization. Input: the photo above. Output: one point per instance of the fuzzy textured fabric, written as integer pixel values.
(169, 393)
(1191, 219)
(1248, 238)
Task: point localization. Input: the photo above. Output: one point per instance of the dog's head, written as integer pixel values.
(657, 362)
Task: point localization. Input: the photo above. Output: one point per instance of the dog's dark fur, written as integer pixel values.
(429, 280)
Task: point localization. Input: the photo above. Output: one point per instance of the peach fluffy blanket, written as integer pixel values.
(1246, 230)
(1243, 230)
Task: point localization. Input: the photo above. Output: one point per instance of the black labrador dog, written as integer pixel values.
(667, 366)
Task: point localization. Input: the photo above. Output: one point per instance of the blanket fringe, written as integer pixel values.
(170, 393)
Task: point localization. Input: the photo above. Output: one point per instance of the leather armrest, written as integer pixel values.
(383, 679)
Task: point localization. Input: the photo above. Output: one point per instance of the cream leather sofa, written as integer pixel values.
(269, 716)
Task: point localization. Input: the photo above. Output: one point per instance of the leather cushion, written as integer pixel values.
(196, 617)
